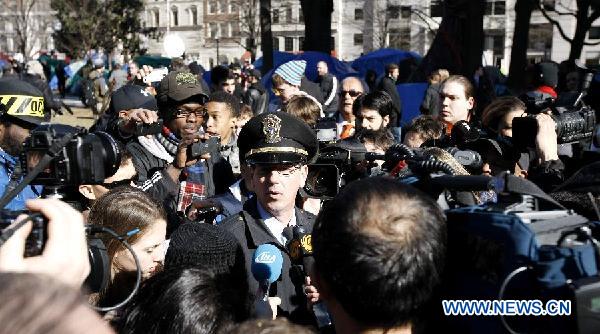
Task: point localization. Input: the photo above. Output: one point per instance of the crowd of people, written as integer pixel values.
(195, 211)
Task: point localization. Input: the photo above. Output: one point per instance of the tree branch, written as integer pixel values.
(554, 23)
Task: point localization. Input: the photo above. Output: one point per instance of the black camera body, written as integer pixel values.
(88, 158)
(573, 124)
(212, 144)
(144, 129)
(39, 232)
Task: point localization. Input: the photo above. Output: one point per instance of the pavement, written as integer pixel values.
(82, 116)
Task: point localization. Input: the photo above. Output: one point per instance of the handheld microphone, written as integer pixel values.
(266, 266)
(301, 253)
(267, 263)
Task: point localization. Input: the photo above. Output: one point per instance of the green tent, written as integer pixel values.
(154, 61)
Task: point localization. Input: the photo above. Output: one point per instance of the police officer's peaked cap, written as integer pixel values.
(277, 138)
(23, 101)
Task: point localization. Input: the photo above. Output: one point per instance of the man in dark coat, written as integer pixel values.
(277, 146)
(388, 85)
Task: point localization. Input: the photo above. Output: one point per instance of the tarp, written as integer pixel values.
(377, 60)
(154, 61)
(412, 95)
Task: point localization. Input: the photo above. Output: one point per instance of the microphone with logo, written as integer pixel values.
(266, 269)
(300, 247)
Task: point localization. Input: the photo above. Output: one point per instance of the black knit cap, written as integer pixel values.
(22, 101)
(199, 245)
(277, 138)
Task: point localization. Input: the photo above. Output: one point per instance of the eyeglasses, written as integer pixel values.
(352, 93)
(282, 170)
(114, 184)
(186, 113)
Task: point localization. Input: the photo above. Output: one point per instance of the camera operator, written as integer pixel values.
(65, 255)
(277, 146)
(379, 250)
(21, 110)
(457, 98)
(546, 169)
(544, 79)
(130, 105)
(181, 105)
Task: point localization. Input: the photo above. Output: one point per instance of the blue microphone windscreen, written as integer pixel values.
(266, 263)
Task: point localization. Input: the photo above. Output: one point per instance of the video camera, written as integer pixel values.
(84, 158)
(58, 156)
(573, 123)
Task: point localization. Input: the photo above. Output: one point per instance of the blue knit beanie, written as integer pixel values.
(292, 71)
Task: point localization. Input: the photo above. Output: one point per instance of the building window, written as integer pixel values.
(234, 30)
(495, 7)
(540, 37)
(405, 12)
(275, 43)
(225, 30)
(275, 15)
(194, 15)
(358, 14)
(300, 16)
(288, 15)
(400, 38)
(358, 39)
(156, 15)
(301, 42)
(494, 40)
(222, 6)
(436, 8)
(594, 33)
(213, 29)
(212, 7)
(289, 44)
(174, 16)
(393, 12)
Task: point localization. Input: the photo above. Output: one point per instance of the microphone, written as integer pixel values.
(301, 253)
(266, 266)
(467, 158)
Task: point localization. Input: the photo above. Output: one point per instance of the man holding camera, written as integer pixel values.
(181, 105)
(21, 110)
(277, 147)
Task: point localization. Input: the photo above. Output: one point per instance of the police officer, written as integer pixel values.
(21, 110)
(277, 147)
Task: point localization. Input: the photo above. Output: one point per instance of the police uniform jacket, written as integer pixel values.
(251, 231)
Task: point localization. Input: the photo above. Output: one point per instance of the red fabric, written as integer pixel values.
(547, 90)
(188, 192)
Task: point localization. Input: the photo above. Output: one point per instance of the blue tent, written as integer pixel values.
(336, 67)
(377, 60)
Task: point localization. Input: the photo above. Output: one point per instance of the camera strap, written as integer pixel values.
(56, 147)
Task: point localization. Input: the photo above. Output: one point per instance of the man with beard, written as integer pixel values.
(373, 112)
(21, 110)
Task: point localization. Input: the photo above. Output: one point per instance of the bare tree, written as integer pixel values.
(250, 24)
(586, 13)
(28, 24)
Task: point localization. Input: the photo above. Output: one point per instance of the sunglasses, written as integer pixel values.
(112, 185)
(352, 93)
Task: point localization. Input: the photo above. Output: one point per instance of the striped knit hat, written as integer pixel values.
(292, 71)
